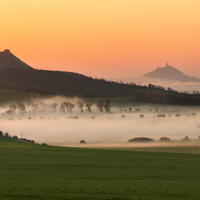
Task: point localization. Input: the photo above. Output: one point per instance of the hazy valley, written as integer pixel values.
(51, 120)
(88, 108)
(47, 121)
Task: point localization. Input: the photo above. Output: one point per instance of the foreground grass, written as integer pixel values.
(30, 171)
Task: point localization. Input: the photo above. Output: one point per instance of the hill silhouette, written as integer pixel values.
(16, 75)
(8, 60)
(66, 83)
(171, 73)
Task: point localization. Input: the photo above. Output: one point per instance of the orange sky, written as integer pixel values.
(103, 38)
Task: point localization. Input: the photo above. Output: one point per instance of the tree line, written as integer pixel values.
(67, 83)
(66, 106)
(173, 99)
(7, 135)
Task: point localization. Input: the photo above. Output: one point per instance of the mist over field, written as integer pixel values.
(166, 83)
(114, 128)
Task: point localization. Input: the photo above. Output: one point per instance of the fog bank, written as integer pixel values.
(67, 128)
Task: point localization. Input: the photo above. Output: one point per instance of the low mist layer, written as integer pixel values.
(175, 85)
(59, 125)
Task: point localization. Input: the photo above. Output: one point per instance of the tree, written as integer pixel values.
(137, 109)
(107, 105)
(63, 106)
(35, 108)
(7, 134)
(52, 107)
(11, 110)
(42, 107)
(80, 106)
(100, 105)
(70, 106)
(88, 106)
(21, 109)
(13, 107)
(67, 105)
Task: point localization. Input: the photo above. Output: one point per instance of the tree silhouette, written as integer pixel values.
(52, 107)
(80, 106)
(88, 106)
(63, 106)
(70, 106)
(13, 108)
(35, 108)
(100, 105)
(21, 109)
(42, 107)
(107, 105)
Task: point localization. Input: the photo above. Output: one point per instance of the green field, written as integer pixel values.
(29, 171)
(11, 96)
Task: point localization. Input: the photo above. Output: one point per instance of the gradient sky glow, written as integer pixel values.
(103, 38)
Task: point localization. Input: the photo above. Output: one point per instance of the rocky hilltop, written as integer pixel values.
(170, 73)
(8, 60)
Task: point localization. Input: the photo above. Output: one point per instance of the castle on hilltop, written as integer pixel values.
(167, 65)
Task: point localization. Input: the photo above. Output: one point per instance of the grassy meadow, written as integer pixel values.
(30, 171)
(11, 96)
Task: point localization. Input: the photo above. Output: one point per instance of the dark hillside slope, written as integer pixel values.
(16, 75)
(8, 60)
(69, 84)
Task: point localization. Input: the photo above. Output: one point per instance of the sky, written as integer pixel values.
(103, 38)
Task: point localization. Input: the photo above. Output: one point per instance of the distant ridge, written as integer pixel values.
(17, 75)
(171, 73)
(8, 60)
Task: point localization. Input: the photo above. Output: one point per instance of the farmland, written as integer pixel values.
(30, 171)
(11, 96)
(94, 170)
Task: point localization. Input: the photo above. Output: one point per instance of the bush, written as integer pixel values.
(26, 140)
(7, 134)
(137, 110)
(186, 138)
(141, 139)
(11, 119)
(82, 142)
(160, 115)
(165, 139)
